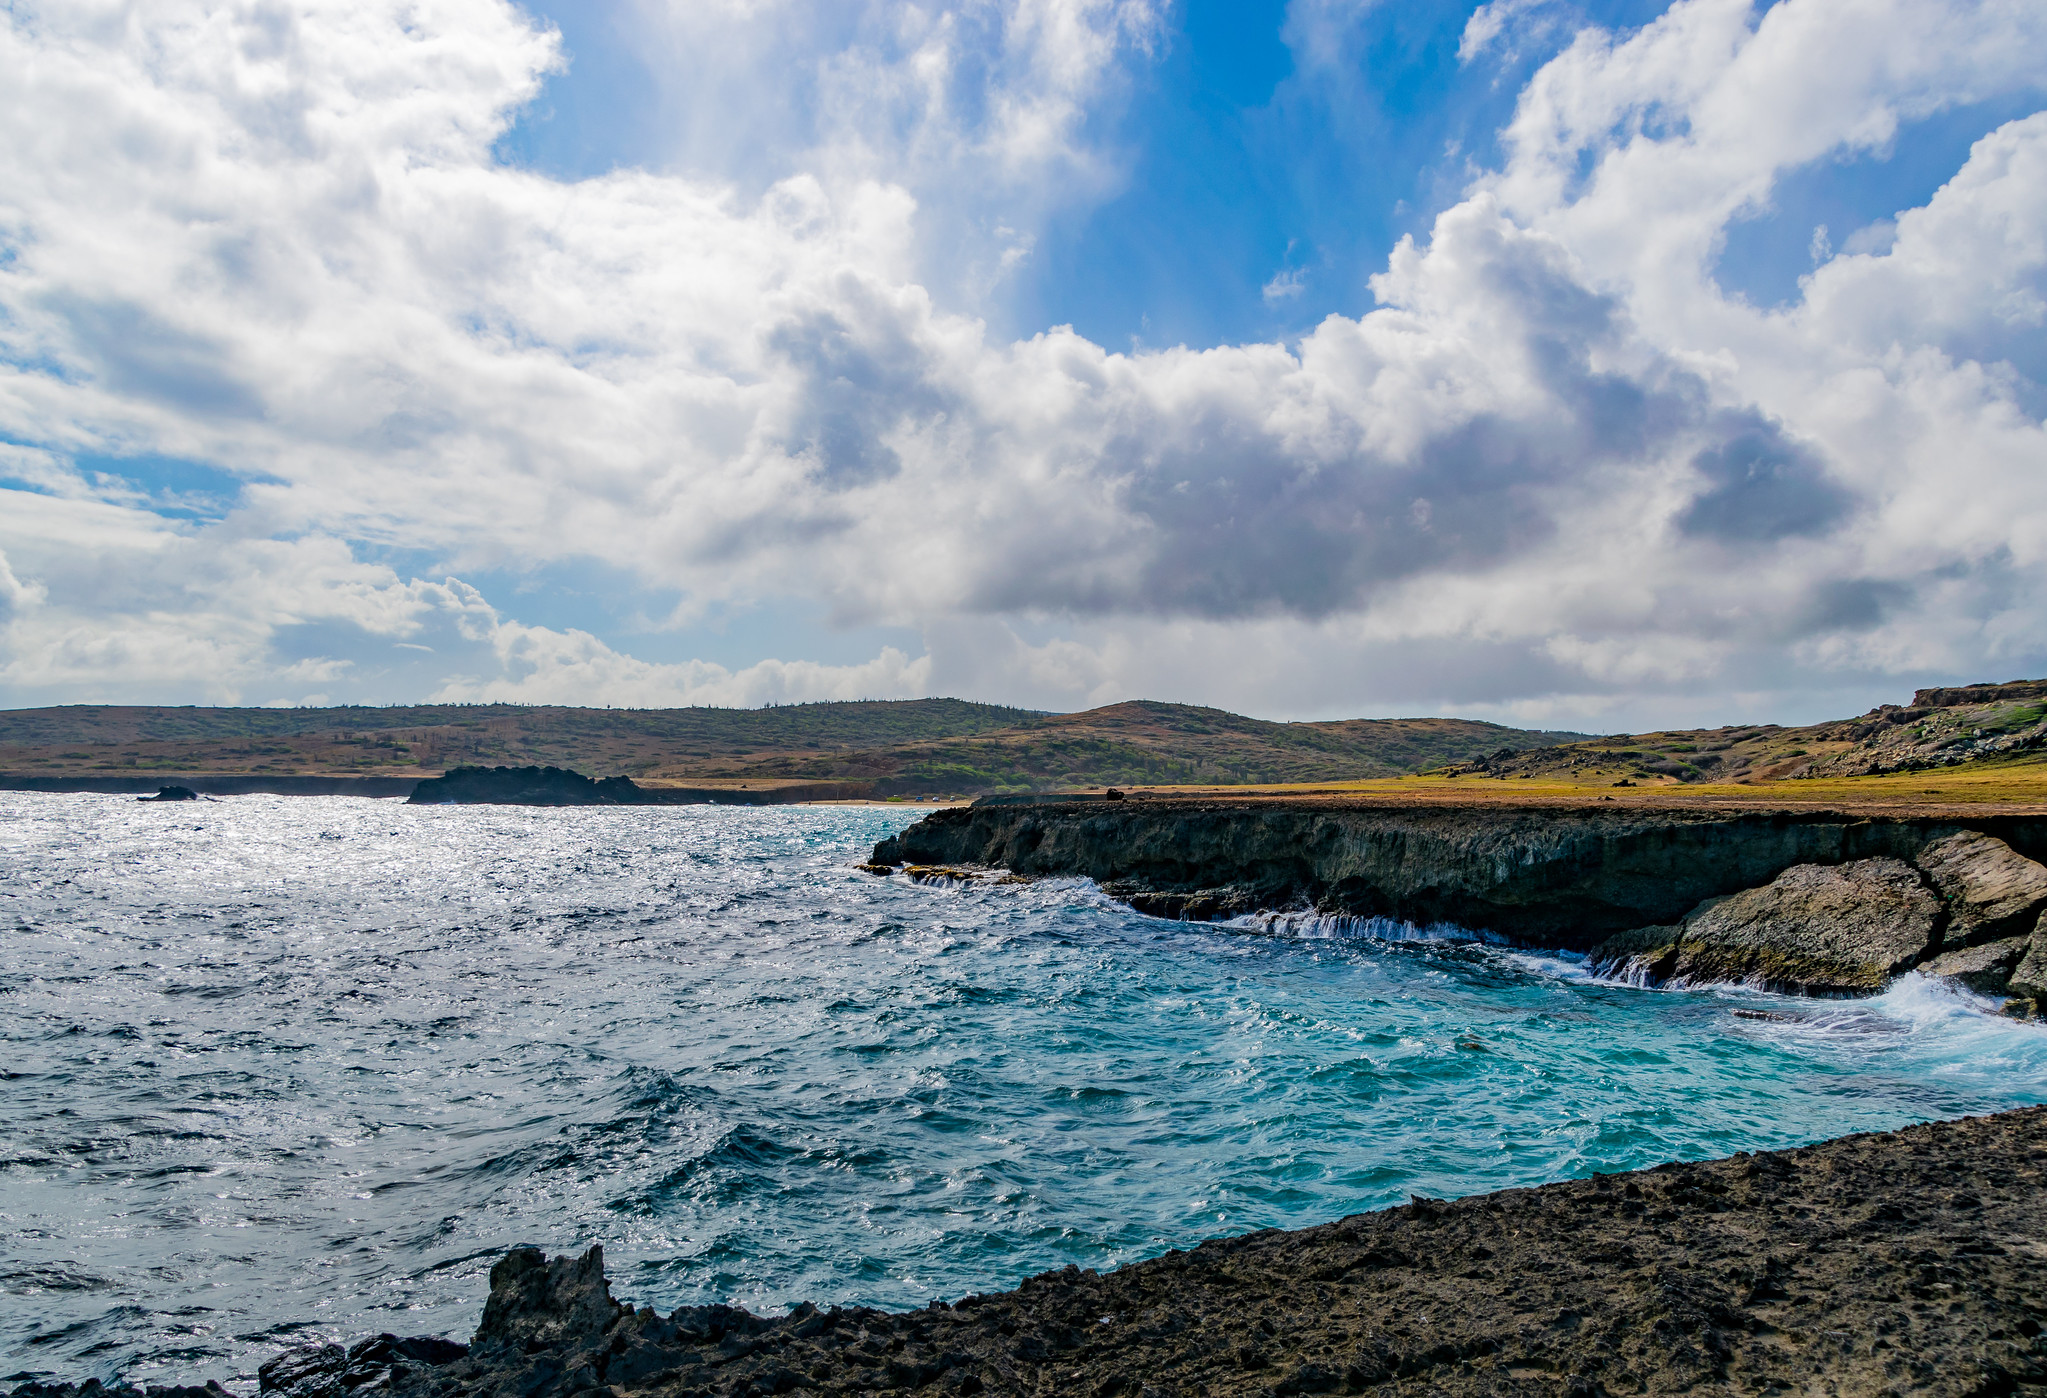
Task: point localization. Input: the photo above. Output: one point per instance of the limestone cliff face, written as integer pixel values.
(1542, 876)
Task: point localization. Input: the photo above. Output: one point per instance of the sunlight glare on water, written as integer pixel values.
(284, 1069)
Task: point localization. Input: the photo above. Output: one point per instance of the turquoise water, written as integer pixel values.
(281, 1069)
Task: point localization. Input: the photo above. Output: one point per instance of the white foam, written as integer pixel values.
(1350, 926)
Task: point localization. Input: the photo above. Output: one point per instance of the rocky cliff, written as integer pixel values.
(1635, 885)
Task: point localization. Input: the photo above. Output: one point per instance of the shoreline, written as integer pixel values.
(1824, 901)
(1898, 1261)
(402, 789)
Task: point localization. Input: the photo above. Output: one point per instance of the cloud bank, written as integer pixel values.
(1551, 472)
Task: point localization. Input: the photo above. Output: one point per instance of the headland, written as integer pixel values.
(1826, 898)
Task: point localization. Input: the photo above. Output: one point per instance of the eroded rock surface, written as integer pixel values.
(2029, 979)
(1991, 890)
(1569, 877)
(1985, 969)
(1903, 1262)
(1843, 929)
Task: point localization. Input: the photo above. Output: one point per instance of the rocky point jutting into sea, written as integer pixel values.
(1811, 901)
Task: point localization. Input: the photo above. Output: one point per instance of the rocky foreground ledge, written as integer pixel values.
(1810, 901)
(1912, 1261)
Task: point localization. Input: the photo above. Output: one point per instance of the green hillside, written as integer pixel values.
(1144, 743)
(935, 746)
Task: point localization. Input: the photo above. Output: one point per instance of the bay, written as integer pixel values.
(282, 1069)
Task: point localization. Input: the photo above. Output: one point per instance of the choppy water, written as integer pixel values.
(277, 1069)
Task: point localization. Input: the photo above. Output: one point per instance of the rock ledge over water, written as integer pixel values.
(1810, 901)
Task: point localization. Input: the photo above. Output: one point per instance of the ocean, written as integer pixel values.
(276, 1070)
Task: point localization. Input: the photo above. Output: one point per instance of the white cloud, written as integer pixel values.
(1555, 467)
(1522, 19)
(543, 666)
(1286, 284)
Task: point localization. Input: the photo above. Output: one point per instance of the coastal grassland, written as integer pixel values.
(2014, 783)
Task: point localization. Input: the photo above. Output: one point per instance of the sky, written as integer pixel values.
(1597, 365)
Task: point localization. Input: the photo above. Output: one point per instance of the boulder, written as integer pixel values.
(1985, 969)
(2028, 984)
(1817, 929)
(1990, 890)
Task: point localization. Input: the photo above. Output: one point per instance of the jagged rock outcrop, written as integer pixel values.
(93, 1388)
(1815, 929)
(1991, 891)
(1900, 1262)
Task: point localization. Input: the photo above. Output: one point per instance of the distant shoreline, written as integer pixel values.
(212, 784)
(401, 788)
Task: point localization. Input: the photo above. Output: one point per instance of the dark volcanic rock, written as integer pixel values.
(1567, 877)
(524, 786)
(557, 786)
(1902, 1262)
(329, 1371)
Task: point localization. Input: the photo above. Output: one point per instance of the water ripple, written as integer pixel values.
(285, 1069)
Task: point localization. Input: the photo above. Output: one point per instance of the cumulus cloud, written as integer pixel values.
(1554, 470)
(537, 665)
(1490, 21)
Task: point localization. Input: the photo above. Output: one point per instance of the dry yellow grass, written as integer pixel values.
(2015, 785)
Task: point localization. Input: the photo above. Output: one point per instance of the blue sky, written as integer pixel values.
(1575, 363)
(1238, 168)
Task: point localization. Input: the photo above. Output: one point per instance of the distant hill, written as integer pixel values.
(1144, 743)
(919, 746)
(1939, 728)
(859, 724)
